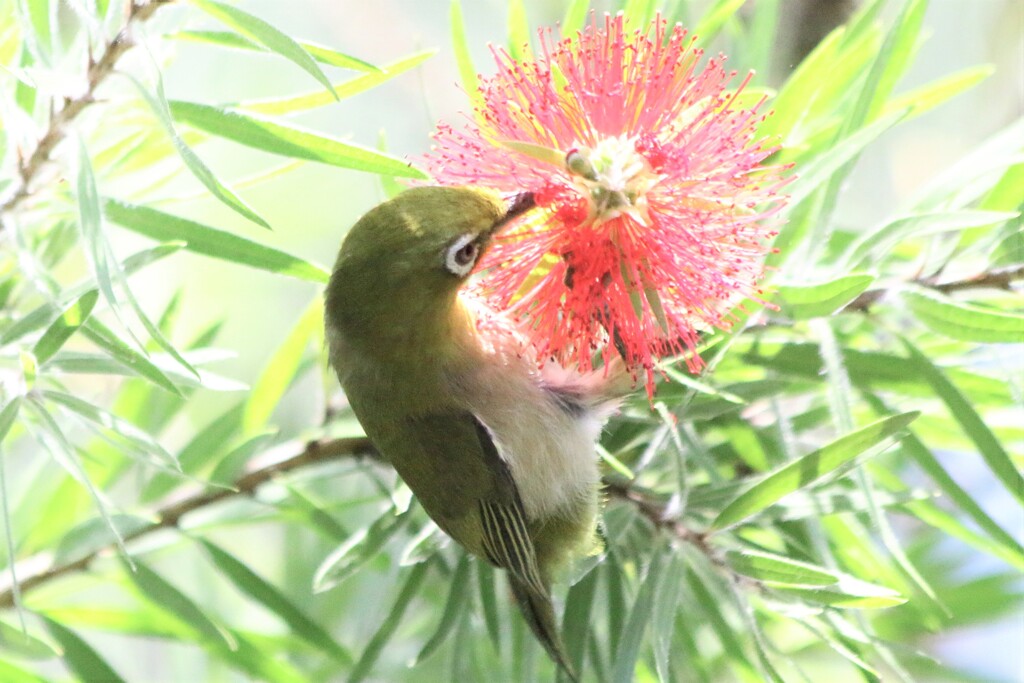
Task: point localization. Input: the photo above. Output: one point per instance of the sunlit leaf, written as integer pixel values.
(288, 140)
(810, 468)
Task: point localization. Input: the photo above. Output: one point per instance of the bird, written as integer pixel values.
(498, 448)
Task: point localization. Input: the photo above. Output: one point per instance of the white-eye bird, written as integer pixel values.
(500, 454)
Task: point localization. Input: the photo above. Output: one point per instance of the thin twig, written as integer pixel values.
(97, 72)
(991, 279)
(168, 517)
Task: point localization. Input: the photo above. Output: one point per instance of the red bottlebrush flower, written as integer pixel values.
(653, 202)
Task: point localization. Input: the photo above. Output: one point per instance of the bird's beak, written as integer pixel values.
(517, 206)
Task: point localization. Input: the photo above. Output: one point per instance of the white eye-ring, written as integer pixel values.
(461, 255)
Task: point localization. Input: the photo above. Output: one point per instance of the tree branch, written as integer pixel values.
(992, 279)
(168, 517)
(98, 71)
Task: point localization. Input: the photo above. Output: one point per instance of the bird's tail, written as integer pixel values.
(539, 613)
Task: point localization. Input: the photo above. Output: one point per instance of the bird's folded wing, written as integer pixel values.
(462, 440)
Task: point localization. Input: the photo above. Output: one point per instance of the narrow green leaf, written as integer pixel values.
(458, 600)
(202, 449)
(277, 602)
(167, 597)
(324, 55)
(212, 242)
(881, 240)
(281, 370)
(380, 639)
(927, 97)
(639, 615)
(486, 575)
(1009, 251)
(94, 534)
(801, 302)
(73, 317)
(992, 452)
(357, 550)
(259, 31)
(518, 31)
(353, 86)
(576, 620)
(80, 657)
(133, 361)
(124, 429)
(7, 418)
(962, 320)
(809, 468)
(287, 140)
(778, 569)
(199, 169)
(715, 19)
(820, 170)
(850, 595)
(575, 16)
(666, 608)
(18, 642)
(460, 46)
(90, 220)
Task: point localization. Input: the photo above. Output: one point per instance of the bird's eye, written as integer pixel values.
(461, 255)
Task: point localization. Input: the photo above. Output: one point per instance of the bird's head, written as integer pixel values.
(407, 258)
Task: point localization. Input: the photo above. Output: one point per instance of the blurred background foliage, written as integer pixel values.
(839, 499)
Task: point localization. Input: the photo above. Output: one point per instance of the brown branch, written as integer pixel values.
(993, 279)
(168, 517)
(98, 71)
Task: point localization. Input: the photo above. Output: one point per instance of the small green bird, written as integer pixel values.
(500, 454)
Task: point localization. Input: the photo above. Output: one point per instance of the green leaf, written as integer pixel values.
(460, 46)
(850, 593)
(281, 370)
(95, 534)
(961, 409)
(410, 589)
(962, 320)
(73, 317)
(201, 450)
(518, 31)
(136, 437)
(486, 575)
(1009, 251)
(80, 657)
(639, 615)
(576, 621)
(259, 31)
(324, 55)
(129, 358)
(931, 95)
(456, 605)
(21, 644)
(881, 240)
(575, 16)
(666, 609)
(199, 169)
(277, 602)
(167, 597)
(357, 550)
(801, 302)
(809, 468)
(286, 140)
(778, 569)
(715, 19)
(354, 86)
(208, 241)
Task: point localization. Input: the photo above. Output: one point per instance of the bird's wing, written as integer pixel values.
(461, 442)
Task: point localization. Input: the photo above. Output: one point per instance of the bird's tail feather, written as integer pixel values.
(539, 613)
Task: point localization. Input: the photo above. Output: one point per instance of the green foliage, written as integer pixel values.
(817, 501)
